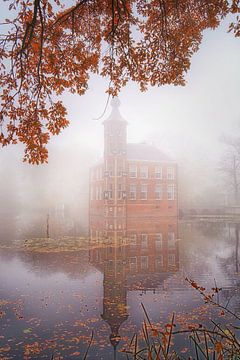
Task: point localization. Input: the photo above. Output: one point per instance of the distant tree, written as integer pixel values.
(47, 46)
(230, 166)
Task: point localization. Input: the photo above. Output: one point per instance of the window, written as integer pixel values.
(132, 192)
(171, 240)
(158, 192)
(158, 172)
(119, 192)
(97, 193)
(144, 241)
(100, 195)
(143, 192)
(143, 172)
(132, 171)
(159, 262)
(91, 234)
(133, 263)
(100, 173)
(110, 264)
(110, 171)
(97, 255)
(110, 191)
(91, 193)
(144, 262)
(171, 192)
(171, 259)
(119, 241)
(158, 241)
(133, 240)
(119, 171)
(170, 173)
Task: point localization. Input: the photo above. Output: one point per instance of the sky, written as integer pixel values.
(184, 122)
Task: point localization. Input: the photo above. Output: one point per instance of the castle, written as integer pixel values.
(132, 219)
(132, 181)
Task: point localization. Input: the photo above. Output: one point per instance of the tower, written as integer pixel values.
(114, 295)
(115, 174)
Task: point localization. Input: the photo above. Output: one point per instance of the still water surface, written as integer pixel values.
(51, 302)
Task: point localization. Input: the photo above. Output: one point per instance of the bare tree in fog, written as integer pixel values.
(230, 166)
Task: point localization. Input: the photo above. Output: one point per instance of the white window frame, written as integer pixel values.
(159, 262)
(143, 193)
(171, 259)
(133, 263)
(144, 241)
(144, 172)
(132, 170)
(119, 171)
(110, 170)
(132, 192)
(171, 239)
(158, 172)
(158, 192)
(110, 191)
(158, 241)
(144, 262)
(171, 192)
(119, 191)
(133, 240)
(170, 173)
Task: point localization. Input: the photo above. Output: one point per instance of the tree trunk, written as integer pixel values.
(237, 247)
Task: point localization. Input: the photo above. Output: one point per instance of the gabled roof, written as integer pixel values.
(145, 152)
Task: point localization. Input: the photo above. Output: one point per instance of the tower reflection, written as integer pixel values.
(138, 256)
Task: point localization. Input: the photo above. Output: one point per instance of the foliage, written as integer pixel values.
(217, 342)
(47, 47)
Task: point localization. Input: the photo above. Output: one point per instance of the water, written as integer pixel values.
(51, 302)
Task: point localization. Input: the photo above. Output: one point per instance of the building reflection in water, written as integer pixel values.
(138, 257)
(133, 218)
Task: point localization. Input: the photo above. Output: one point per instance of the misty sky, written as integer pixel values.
(185, 122)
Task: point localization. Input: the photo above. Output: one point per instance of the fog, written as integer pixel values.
(185, 122)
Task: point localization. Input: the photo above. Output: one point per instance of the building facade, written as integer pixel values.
(132, 220)
(133, 180)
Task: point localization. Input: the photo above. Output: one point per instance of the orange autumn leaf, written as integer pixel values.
(48, 48)
(154, 332)
(218, 347)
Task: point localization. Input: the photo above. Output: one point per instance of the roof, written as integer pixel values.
(145, 152)
(142, 152)
(115, 113)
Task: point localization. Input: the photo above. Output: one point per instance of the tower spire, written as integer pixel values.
(115, 102)
(115, 112)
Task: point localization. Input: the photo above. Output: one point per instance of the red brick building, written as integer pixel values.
(133, 211)
(133, 180)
